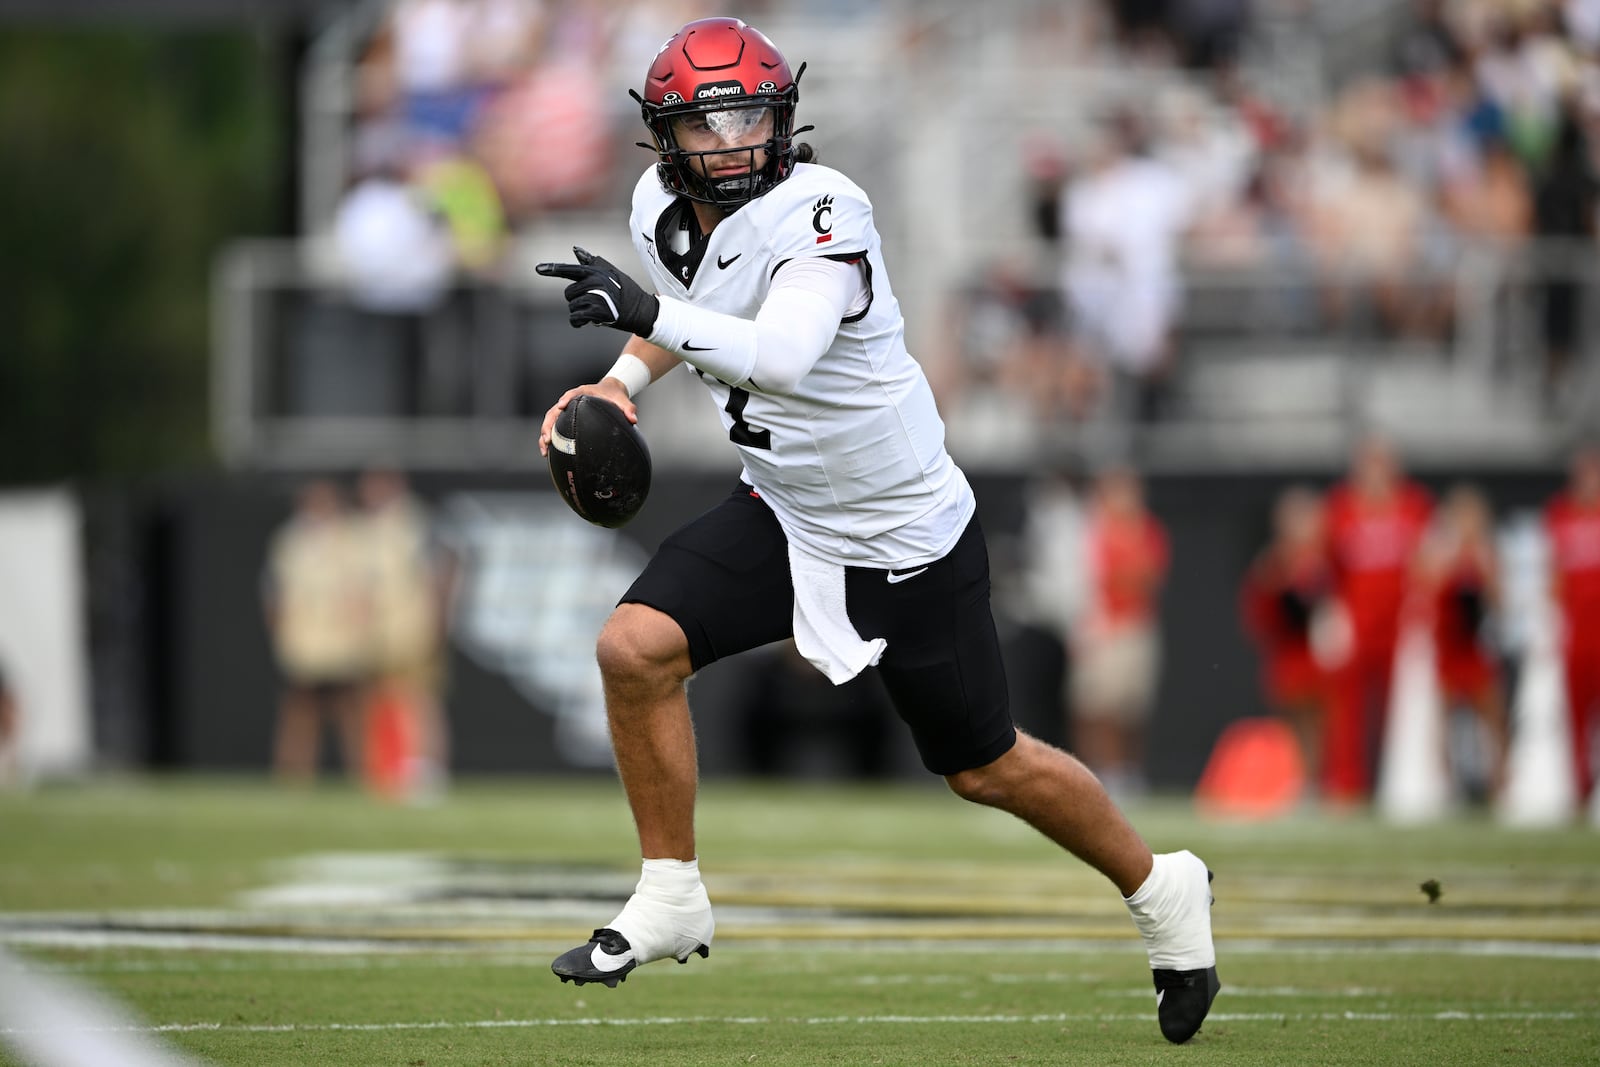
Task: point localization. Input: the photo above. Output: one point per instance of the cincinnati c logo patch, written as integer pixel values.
(822, 218)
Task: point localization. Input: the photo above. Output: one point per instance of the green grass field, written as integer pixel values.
(241, 924)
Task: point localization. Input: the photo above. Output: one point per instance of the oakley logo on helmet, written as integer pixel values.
(672, 98)
(718, 90)
(767, 87)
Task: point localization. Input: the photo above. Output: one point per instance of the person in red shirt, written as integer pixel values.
(1457, 588)
(1572, 526)
(10, 759)
(1116, 643)
(1376, 518)
(1285, 600)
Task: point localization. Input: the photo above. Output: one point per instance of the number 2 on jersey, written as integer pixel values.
(741, 432)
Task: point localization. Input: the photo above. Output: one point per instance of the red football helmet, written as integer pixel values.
(717, 93)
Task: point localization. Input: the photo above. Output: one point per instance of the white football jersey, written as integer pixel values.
(852, 462)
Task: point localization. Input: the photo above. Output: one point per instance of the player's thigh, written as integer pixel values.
(724, 579)
(942, 667)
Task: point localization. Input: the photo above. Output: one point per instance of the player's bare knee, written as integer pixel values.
(639, 646)
(994, 784)
(981, 785)
(621, 651)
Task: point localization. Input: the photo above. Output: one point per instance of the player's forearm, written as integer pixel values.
(769, 354)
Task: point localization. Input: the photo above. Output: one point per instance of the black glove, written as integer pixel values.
(603, 295)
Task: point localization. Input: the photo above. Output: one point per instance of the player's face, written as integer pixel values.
(737, 136)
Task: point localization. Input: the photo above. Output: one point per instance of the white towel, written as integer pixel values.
(822, 629)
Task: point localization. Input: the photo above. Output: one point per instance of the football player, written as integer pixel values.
(851, 527)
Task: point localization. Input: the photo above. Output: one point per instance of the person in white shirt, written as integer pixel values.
(1123, 221)
(851, 528)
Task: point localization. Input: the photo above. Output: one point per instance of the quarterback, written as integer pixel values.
(851, 528)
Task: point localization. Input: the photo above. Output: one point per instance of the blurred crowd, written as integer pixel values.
(1466, 143)
(1470, 141)
(357, 591)
(474, 119)
(1368, 593)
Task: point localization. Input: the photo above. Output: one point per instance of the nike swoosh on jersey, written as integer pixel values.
(687, 347)
(605, 961)
(724, 264)
(896, 578)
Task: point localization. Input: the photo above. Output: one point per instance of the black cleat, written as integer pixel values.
(1184, 997)
(1182, 1000)
(607, 958)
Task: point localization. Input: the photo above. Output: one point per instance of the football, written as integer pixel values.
(599, 462)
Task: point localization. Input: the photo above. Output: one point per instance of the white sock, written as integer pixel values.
(1172, 911)
(669, 913)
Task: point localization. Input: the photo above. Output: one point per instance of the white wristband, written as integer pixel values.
(632, 372)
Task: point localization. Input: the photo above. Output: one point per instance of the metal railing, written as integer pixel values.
(305, 377)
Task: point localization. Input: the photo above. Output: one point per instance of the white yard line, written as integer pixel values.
(833, 1020)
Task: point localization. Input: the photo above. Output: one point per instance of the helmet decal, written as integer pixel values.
(719, 90)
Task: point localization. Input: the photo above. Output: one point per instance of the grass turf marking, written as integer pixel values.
(43, 935)
(830, 1020)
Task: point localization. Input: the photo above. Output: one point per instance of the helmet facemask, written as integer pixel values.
(696, 141)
